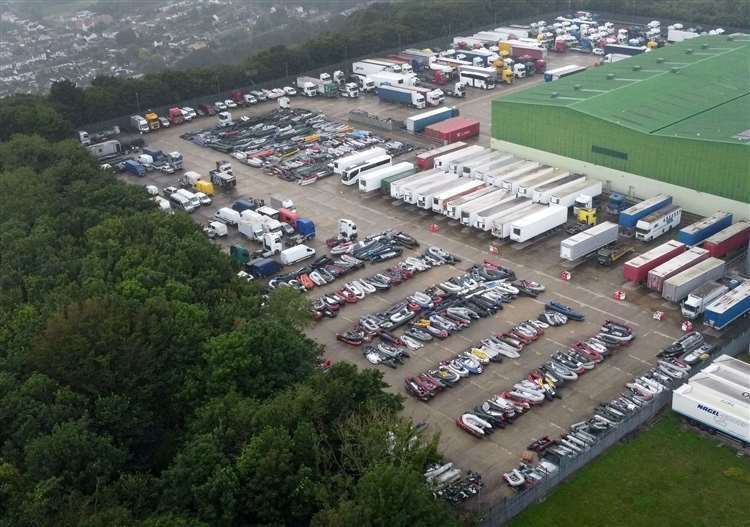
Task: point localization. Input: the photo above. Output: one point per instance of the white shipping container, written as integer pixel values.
(588, 241)
(538, 223)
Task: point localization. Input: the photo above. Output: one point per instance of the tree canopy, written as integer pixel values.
(143, 384)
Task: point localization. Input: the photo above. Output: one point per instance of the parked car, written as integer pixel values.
(267, 93)
(229, 103)
(250, 99)
(220, 106)
(276, 93)
(188, 113)
(164, 122)
(203, 198)
(290, 91)
(168, 191)
(260, 95)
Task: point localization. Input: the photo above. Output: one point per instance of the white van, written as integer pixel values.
(228, 216)
(296, 254)
(181, 202)
(192, 198)
(163, 204)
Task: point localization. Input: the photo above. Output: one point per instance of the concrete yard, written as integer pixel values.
(590, 290)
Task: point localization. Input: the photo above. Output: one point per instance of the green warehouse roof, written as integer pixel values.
(697, 89)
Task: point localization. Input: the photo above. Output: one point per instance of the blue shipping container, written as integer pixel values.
(700, 230)
(630, 216)
(417, 123)
(722, 312)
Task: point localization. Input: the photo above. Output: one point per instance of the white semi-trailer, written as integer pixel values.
(465, 167)
(543, 193)
(538, 223)
(398, 187)
(566, 197)
(495, 177)
(470, 206)
(463, 187)
(453, 206)
(527, 188)
(483, 220)
(470, 212)
(501, 226)
(371, 180)
(443, 161)
(526, 173)
(423, 196)
(588, 241)
(482, 171)
(411, 195)
(454, 165)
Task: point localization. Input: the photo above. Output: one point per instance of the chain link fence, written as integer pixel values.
(503, 511)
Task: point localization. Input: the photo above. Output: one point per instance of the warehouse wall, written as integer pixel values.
(630, 184)
(708, 167)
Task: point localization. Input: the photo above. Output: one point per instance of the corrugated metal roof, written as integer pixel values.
(697, 89)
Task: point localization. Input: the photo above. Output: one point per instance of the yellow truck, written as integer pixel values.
(153, 120)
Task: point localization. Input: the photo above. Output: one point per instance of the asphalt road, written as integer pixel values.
(590, 290)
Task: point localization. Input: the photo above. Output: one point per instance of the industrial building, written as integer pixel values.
(675, 120)
(718, 397)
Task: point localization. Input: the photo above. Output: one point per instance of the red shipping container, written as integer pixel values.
(636, 269)
(453, 129)
(658, 275)
(727, 240)
(426, 160)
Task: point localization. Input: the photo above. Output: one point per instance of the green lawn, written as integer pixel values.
(667, 476)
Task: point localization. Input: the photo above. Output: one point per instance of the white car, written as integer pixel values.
(255, 162)
(230, 103)
(290, 91)
(220, 106)
(152, 190)
(239, 155)
(188, 113)
(204, 198)
(275, 93)
(598, 51)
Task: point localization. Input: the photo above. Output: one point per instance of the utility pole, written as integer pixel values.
(138, 102)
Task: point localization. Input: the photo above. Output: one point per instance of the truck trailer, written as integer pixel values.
(589, 241)
(502, 225)
(528, 188)
(397, 188)
(512, 182)
(659, 274)
(410, 193)
(470, 211)
(468, 165)
(727, 240)
(483, 219)
(453, 206)
(542, 221)
(371, 180)
(443, 161)
(426, 160)
(630, 216)
(680, 285)
(657, 223)
(716, 404)
(565, 71)
(469, 205)
(700, 230)
(728, 308)
(697, 300)
(462, 188)
(495, 176)
(422, 197)
(482, 171)
(636, 269)
(566, 194)
(401, 95)
(543, 193)
(455, 165)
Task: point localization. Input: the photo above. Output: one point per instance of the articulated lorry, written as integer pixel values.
(697, 300)
(728, 308)
(312, 87)
(401, 95)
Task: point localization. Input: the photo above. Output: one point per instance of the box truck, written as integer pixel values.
(700, 230)
(636, 269)
(538, 223)
(698, 299)
(372, 179)
(462, 188)
(659, 274)
(444, 160)
(139, 124)
(728, 308)
(345, 162)
(426, 160)
(350, 175)
(727, 240)
(680, 285)
(630, 216)
(657, 223)
(588, 241)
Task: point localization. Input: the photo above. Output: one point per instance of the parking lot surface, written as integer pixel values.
(590, 291)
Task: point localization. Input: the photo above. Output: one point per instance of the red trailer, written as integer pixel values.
(288, 216)
(727, 240)
(426, 160)
(636, 270)
(453, 129)
(658, 275)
